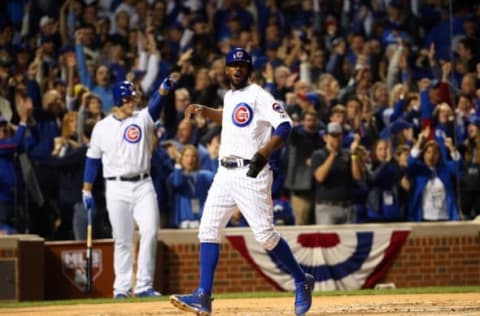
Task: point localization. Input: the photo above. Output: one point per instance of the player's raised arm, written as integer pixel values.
(155, 103)
(205, 111)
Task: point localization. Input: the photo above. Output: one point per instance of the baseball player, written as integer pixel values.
(243, 180)
(122, 143)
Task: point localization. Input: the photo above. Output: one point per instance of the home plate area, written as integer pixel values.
(400, 304)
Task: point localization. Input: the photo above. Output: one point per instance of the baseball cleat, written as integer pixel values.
(198, 302)
(148, 293)
(303, 295)
(121, 296)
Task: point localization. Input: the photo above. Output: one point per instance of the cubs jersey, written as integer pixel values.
(123, 145)
(248, 117)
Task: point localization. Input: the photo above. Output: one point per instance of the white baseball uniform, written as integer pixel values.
(249, 114)
(125, 149)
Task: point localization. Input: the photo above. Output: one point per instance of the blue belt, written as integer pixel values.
(231, 163)
(136, 178)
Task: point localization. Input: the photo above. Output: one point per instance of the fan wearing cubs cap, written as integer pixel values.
(244, 181)
(121, 142)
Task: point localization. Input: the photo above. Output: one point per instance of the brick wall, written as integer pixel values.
(233, 273)
(437, 261)
(435, 254)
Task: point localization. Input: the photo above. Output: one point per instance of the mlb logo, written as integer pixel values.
(74, 266)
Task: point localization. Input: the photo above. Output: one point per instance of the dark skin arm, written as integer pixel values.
(273, 144)
(207, 112)
(216, 116)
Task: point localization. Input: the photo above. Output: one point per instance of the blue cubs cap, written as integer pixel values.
(66, 49)
(177, 26)
(122, 89)
(399, 126)
(384, 133)
(20, 48)
(234, 15)
(60, 81)
(475, 120)
(311, 97)
(47, 39)
(272, 45)
(238, 55)
(260, 62)
(138, 74)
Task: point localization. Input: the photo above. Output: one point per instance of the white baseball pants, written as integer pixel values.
(129, 202)
(230, 188)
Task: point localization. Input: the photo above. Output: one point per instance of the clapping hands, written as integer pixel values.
(449, 144)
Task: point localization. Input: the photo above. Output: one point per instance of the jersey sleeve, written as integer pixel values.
(270, 109)
(146, 118)
(95, 148)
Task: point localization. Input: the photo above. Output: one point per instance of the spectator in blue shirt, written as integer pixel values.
(208, 149)
(383, 180)
(11, 142)
(189, 188)
(101, 85)
(433, 190)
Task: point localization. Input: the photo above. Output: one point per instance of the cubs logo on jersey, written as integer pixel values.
(277, 107)
(132, 134)
(242, 115)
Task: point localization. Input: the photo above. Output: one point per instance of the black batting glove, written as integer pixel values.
(256, 165)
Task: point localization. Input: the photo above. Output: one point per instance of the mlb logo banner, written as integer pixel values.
(339, 260)
(74, 266)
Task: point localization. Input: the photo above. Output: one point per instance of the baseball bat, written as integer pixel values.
(89, 251)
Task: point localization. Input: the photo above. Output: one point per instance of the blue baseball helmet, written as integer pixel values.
(238, 55)
(122, 89)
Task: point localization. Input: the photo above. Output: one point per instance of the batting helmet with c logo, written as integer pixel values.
(238, 55)
(121, 90)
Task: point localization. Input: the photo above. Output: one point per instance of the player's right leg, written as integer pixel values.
(121, 220)
(217, 211)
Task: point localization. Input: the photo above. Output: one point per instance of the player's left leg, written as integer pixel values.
(254, 200)
(146, 215)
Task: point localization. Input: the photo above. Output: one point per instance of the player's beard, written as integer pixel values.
(238, 84)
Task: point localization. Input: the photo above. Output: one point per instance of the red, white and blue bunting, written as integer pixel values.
(342, 260)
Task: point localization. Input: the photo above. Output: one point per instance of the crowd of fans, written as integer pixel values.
(384, 96)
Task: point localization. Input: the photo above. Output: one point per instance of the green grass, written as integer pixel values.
(424, 290)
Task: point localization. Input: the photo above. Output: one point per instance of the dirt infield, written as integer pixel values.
(410, 304)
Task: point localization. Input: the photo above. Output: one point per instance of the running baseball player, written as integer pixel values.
(122, 143)
(243, 180)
